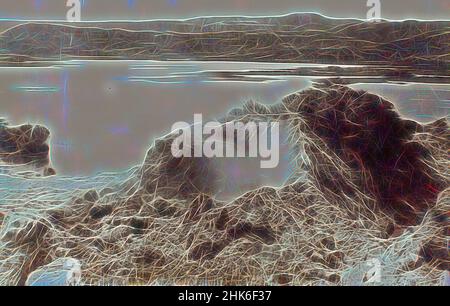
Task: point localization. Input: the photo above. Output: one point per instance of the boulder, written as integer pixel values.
(61, 272)
(24, 144)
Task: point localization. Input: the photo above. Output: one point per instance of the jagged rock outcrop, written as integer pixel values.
(25, 145)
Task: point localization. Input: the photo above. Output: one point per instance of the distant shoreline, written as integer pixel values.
(294, 38)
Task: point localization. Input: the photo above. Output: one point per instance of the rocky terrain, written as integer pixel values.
(367, 185)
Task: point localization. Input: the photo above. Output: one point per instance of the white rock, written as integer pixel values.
(446, 279)
(61, 272)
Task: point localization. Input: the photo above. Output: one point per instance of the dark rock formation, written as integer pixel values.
(370, 137)
(25, 144)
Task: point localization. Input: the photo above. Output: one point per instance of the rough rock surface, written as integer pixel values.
(25, 144)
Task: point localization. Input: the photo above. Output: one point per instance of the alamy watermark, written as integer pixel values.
(374, 12)
(74, 12)
(229, 140)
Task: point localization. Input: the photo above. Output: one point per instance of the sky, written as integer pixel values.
(154, 9)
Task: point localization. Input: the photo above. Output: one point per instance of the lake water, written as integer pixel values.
(103, 116)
